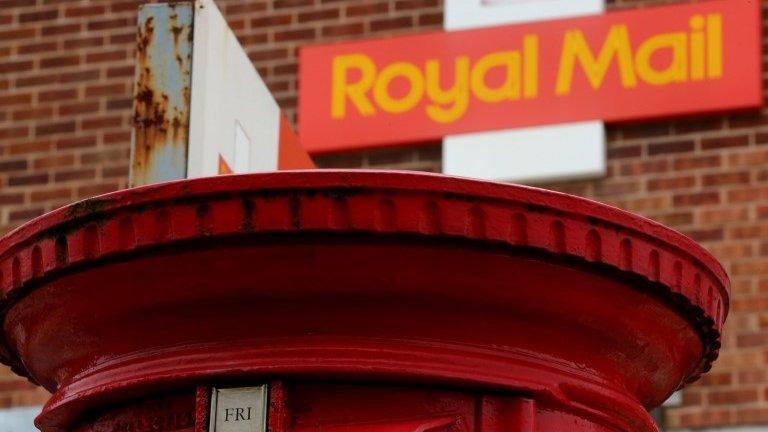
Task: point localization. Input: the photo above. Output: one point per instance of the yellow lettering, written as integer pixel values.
(381, 89)
(354, 91)
(530, 67)
(509, 89)
(456, 97)
(698, 54)
(714, 46)
(575, 48)
(677, 71)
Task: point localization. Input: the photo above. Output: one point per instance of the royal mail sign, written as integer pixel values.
(622, 66)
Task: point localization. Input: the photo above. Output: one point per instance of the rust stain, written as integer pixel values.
(157, 122)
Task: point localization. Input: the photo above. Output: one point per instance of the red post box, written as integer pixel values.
(355, 301)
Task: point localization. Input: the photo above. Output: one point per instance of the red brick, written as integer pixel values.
(705, 235)
(245, 7)
(116, 171)
(86, 42)
(123, 38)
(116, 104)
(351, 29)
(671, 183)
(54, 161)
(117, 137)
(697, 162)
(79, 141)
(60, 61)
(753, 415)
(78, 108)
(431, 20)
(80, 174)
(38, 15)
(268, 54)
(33, 80)
(13, 3)
(54, 128)
(58, 194)
(725, 142)
(52, 30)
(96, 189)
(21, 33)
(56, 95)
(282, 4)
(253, 39)
(108, 24)
(120, 71)
(294, 35)
(101, 123)
(84, 11)
(108, 56)
(102, 156)
(271, 20)
(676, 219)
(286, 69)
(319, 15)
(126, 6)
(646, 130)
(752, 376)
(27, 179)
(29, 146)
(695, 125)
(644, 167)
(747, 120)
(105, 90)
(32, 113)
(15, 99)
(79, 76)
(723, 215)
(722, 397)
(370, 8)
(729, 178)
(38, 47)
(387, 24)
(748, 194)
(683, 146)
(415, 4)
(12, 165)
(15, 66)
(25, 214)
(9, 198)
(13, 132)
(696, 199)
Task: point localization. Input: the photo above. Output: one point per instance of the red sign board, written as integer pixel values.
(621, 66)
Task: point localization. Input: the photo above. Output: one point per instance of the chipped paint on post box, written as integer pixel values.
(162, 93)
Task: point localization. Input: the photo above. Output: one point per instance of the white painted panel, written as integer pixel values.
(464, 14)
(227, 90)
(539, 154)
(19, 419)
(530, 155)
(242, 150)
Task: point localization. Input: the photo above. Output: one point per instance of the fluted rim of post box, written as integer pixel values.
(115, 224)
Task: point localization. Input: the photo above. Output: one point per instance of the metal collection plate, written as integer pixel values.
(240, 409)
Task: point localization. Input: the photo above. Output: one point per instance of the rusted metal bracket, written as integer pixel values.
(162, 102)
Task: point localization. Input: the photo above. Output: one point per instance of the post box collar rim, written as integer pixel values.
(489, 210)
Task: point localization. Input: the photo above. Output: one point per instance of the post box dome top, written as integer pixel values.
(553, 225)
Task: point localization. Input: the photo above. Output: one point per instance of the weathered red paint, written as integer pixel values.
(372, 301)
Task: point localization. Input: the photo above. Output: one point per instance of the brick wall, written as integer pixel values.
(66, 69)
